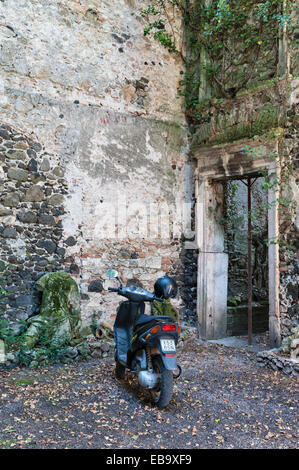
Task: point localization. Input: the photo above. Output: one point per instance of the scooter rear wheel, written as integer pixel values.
(120, 370)
(162, 393)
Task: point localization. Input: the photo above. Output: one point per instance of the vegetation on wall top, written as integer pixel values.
(234, 41)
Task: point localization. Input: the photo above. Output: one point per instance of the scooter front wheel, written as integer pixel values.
(162, 392)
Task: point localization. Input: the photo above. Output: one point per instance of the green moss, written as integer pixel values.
(273, 134)
(258, 87)
(265, 119)
(207, 104)
(59, 319)
(203, 105)
(23, 382)
(267, 136)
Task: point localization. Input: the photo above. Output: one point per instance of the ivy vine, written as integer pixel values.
(280, 184)
(232, 41)
(232, 34)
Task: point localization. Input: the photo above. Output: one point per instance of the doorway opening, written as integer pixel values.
(245, 242)
(218, 281)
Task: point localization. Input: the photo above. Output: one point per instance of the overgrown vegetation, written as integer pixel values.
(45, 352)
(232, 40)
(280, 185)
(228, 46)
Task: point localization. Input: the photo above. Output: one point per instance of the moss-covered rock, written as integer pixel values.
(59, 320)
(290, 344)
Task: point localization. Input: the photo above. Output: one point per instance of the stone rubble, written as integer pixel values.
(278, 362)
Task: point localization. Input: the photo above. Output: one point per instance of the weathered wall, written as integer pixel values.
(267, 112)
(93, 149)
(91, 127)
(252, 112)
(289, 227)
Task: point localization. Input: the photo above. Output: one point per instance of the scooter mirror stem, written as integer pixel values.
(120, 283)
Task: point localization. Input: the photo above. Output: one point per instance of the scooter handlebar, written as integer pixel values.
(123, 292)
(113, 289)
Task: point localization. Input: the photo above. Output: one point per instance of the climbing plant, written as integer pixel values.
(280, 184)
(228, 37)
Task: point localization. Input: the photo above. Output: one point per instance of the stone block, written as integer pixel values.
(154, 262)
(17, 174)
(9, 232)
(11, 200)
(28, 217)
(16, 154)
(34, 194)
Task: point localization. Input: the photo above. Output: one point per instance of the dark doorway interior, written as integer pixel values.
(236, 245)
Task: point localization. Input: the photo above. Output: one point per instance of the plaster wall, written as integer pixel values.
(99, 101)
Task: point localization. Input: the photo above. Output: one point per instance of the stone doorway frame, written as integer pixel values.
(215, 164)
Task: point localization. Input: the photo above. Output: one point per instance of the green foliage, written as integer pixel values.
(234, 301)
(6, 333)
(157, 11)
(47, 350)
(232, 218)
(235, 35)
(2, 279)
(280, 184)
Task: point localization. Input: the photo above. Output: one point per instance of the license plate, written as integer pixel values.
(167, 345)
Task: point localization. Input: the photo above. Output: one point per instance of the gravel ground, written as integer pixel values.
(222, 400)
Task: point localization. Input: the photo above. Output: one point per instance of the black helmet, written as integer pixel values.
(165, 287)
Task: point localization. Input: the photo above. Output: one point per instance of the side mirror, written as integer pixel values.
(112, 273)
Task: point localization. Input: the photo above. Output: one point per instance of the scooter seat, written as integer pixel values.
(123, 328)
(143, 319)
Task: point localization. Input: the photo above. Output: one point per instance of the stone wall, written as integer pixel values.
(93, 150)
(32, 191)
(95, 160)
(251, 113)
(274, 360)
(289, 227)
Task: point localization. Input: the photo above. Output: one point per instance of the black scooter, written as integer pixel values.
(146, 345)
